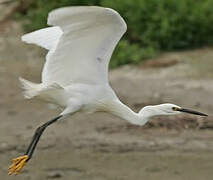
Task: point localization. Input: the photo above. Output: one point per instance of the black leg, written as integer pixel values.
(39, 131)
(19, 162)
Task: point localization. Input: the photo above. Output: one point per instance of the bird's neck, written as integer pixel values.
(119, 109)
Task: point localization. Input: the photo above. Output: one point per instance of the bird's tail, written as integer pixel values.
(30, 89)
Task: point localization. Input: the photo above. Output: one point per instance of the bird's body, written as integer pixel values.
(87, 98)
(85, 95)
(75, 74)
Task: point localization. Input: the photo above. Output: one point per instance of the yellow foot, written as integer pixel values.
(18, 164)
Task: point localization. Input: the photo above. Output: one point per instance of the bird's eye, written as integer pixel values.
(174, 108)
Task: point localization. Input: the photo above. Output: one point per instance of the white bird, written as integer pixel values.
(75, 75)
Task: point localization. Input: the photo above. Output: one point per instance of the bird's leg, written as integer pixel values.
(39, 131)
(18, 163)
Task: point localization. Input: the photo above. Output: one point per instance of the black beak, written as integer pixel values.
(191, 112)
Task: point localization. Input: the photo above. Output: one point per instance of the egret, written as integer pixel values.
(80, 43)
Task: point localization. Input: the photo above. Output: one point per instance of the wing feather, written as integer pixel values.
(83, 51)
(46, 38)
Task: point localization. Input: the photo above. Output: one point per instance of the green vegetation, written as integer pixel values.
(153, 25)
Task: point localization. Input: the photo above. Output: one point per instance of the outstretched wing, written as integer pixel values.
(84, 49)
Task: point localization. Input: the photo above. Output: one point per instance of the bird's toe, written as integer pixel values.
(17, 164)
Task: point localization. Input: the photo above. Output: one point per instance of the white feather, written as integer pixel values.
(30, 89)
(83, 52)
(46, 38)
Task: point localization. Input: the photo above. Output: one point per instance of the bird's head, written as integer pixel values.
(167, 109)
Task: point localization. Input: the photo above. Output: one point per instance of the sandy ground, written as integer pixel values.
(103, 147)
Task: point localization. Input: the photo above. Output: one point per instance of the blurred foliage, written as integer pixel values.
(126, 53)
(153, 25)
